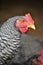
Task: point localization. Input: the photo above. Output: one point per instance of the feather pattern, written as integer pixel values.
(9, 40)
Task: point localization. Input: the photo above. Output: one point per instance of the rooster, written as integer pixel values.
(10, 37)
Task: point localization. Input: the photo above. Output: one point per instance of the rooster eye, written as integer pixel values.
(23, 20)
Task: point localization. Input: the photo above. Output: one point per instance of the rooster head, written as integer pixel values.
(24, 24)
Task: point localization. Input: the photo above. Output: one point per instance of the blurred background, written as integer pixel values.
(11, 8)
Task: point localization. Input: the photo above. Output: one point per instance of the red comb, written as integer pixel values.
(29, 18)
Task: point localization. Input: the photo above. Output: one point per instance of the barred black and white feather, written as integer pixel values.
(10, 41)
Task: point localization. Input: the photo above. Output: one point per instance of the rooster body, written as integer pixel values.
(12, 46)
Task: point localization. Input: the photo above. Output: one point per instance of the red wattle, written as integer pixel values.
(23, 30)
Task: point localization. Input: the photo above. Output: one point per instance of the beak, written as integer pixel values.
(31, 26)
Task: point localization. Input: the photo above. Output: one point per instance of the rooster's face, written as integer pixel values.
(24, 24)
